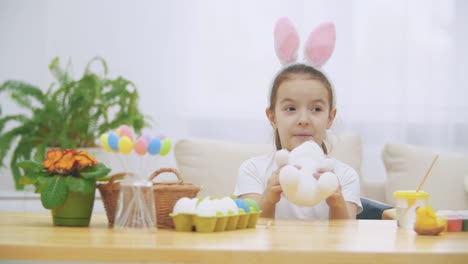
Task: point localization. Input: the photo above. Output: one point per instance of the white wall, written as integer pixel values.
(203, 68)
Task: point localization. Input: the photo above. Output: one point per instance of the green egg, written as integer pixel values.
(252, 203)
(252, 209)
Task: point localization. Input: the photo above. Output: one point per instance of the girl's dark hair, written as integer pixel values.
(306, 72)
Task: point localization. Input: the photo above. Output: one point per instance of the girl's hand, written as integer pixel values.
(336, 198)
(273, 190)
(338, 207)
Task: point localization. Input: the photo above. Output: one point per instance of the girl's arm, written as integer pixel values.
(270, 197)
(339, 208)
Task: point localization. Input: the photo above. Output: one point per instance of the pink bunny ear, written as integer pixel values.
(320, 44)
(286, 41)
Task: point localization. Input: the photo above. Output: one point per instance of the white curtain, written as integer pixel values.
(204, 68)
(408, 80)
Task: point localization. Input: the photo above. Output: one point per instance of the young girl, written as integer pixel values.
(302, 108)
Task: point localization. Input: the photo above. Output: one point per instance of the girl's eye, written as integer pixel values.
(316, 109)
(289, 108)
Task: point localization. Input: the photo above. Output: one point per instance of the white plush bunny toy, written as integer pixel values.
(297, 176)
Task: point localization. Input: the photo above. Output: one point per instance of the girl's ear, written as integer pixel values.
(271, 117)
(320, 44)
(331, 117)
(286, 41)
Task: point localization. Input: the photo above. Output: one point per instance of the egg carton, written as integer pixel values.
(203, 224)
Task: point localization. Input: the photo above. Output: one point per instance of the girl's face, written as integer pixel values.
(302, 112)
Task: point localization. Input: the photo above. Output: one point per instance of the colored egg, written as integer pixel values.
(242, 205)
(113, 141)
(125, 145)
(146, 137)
(126, 131)
(104, 142)
(154, 146)
(141, 146)
(165, 146)
(252, 204)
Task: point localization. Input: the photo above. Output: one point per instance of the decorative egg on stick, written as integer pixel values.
(135, 149)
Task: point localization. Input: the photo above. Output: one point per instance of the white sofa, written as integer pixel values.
(214, 164)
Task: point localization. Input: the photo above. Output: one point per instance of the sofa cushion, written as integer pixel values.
(406, 166)
(346, 148)
(214, 164)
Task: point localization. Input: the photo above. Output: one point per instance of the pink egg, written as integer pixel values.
(141, 146)
(126, 131)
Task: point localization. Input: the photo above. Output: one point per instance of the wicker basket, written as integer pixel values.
(109, 194)
(166, 195)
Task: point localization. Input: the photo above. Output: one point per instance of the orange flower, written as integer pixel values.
(67, 160)
(85, 159)
(52, 157)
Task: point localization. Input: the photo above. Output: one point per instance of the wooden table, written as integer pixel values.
(30, 236)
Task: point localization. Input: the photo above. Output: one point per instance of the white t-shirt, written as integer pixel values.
(255, 172)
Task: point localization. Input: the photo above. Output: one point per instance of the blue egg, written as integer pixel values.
(154, 146)
(242, 205)
(113, 141)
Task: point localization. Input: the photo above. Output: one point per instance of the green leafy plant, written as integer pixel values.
(62, 171)
(69, 114)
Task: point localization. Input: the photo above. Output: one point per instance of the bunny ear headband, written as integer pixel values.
(318, 47)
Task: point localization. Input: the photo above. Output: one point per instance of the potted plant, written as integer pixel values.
(66, 180)
(69, 114)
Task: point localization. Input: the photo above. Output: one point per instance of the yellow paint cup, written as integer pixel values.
(406, 203)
